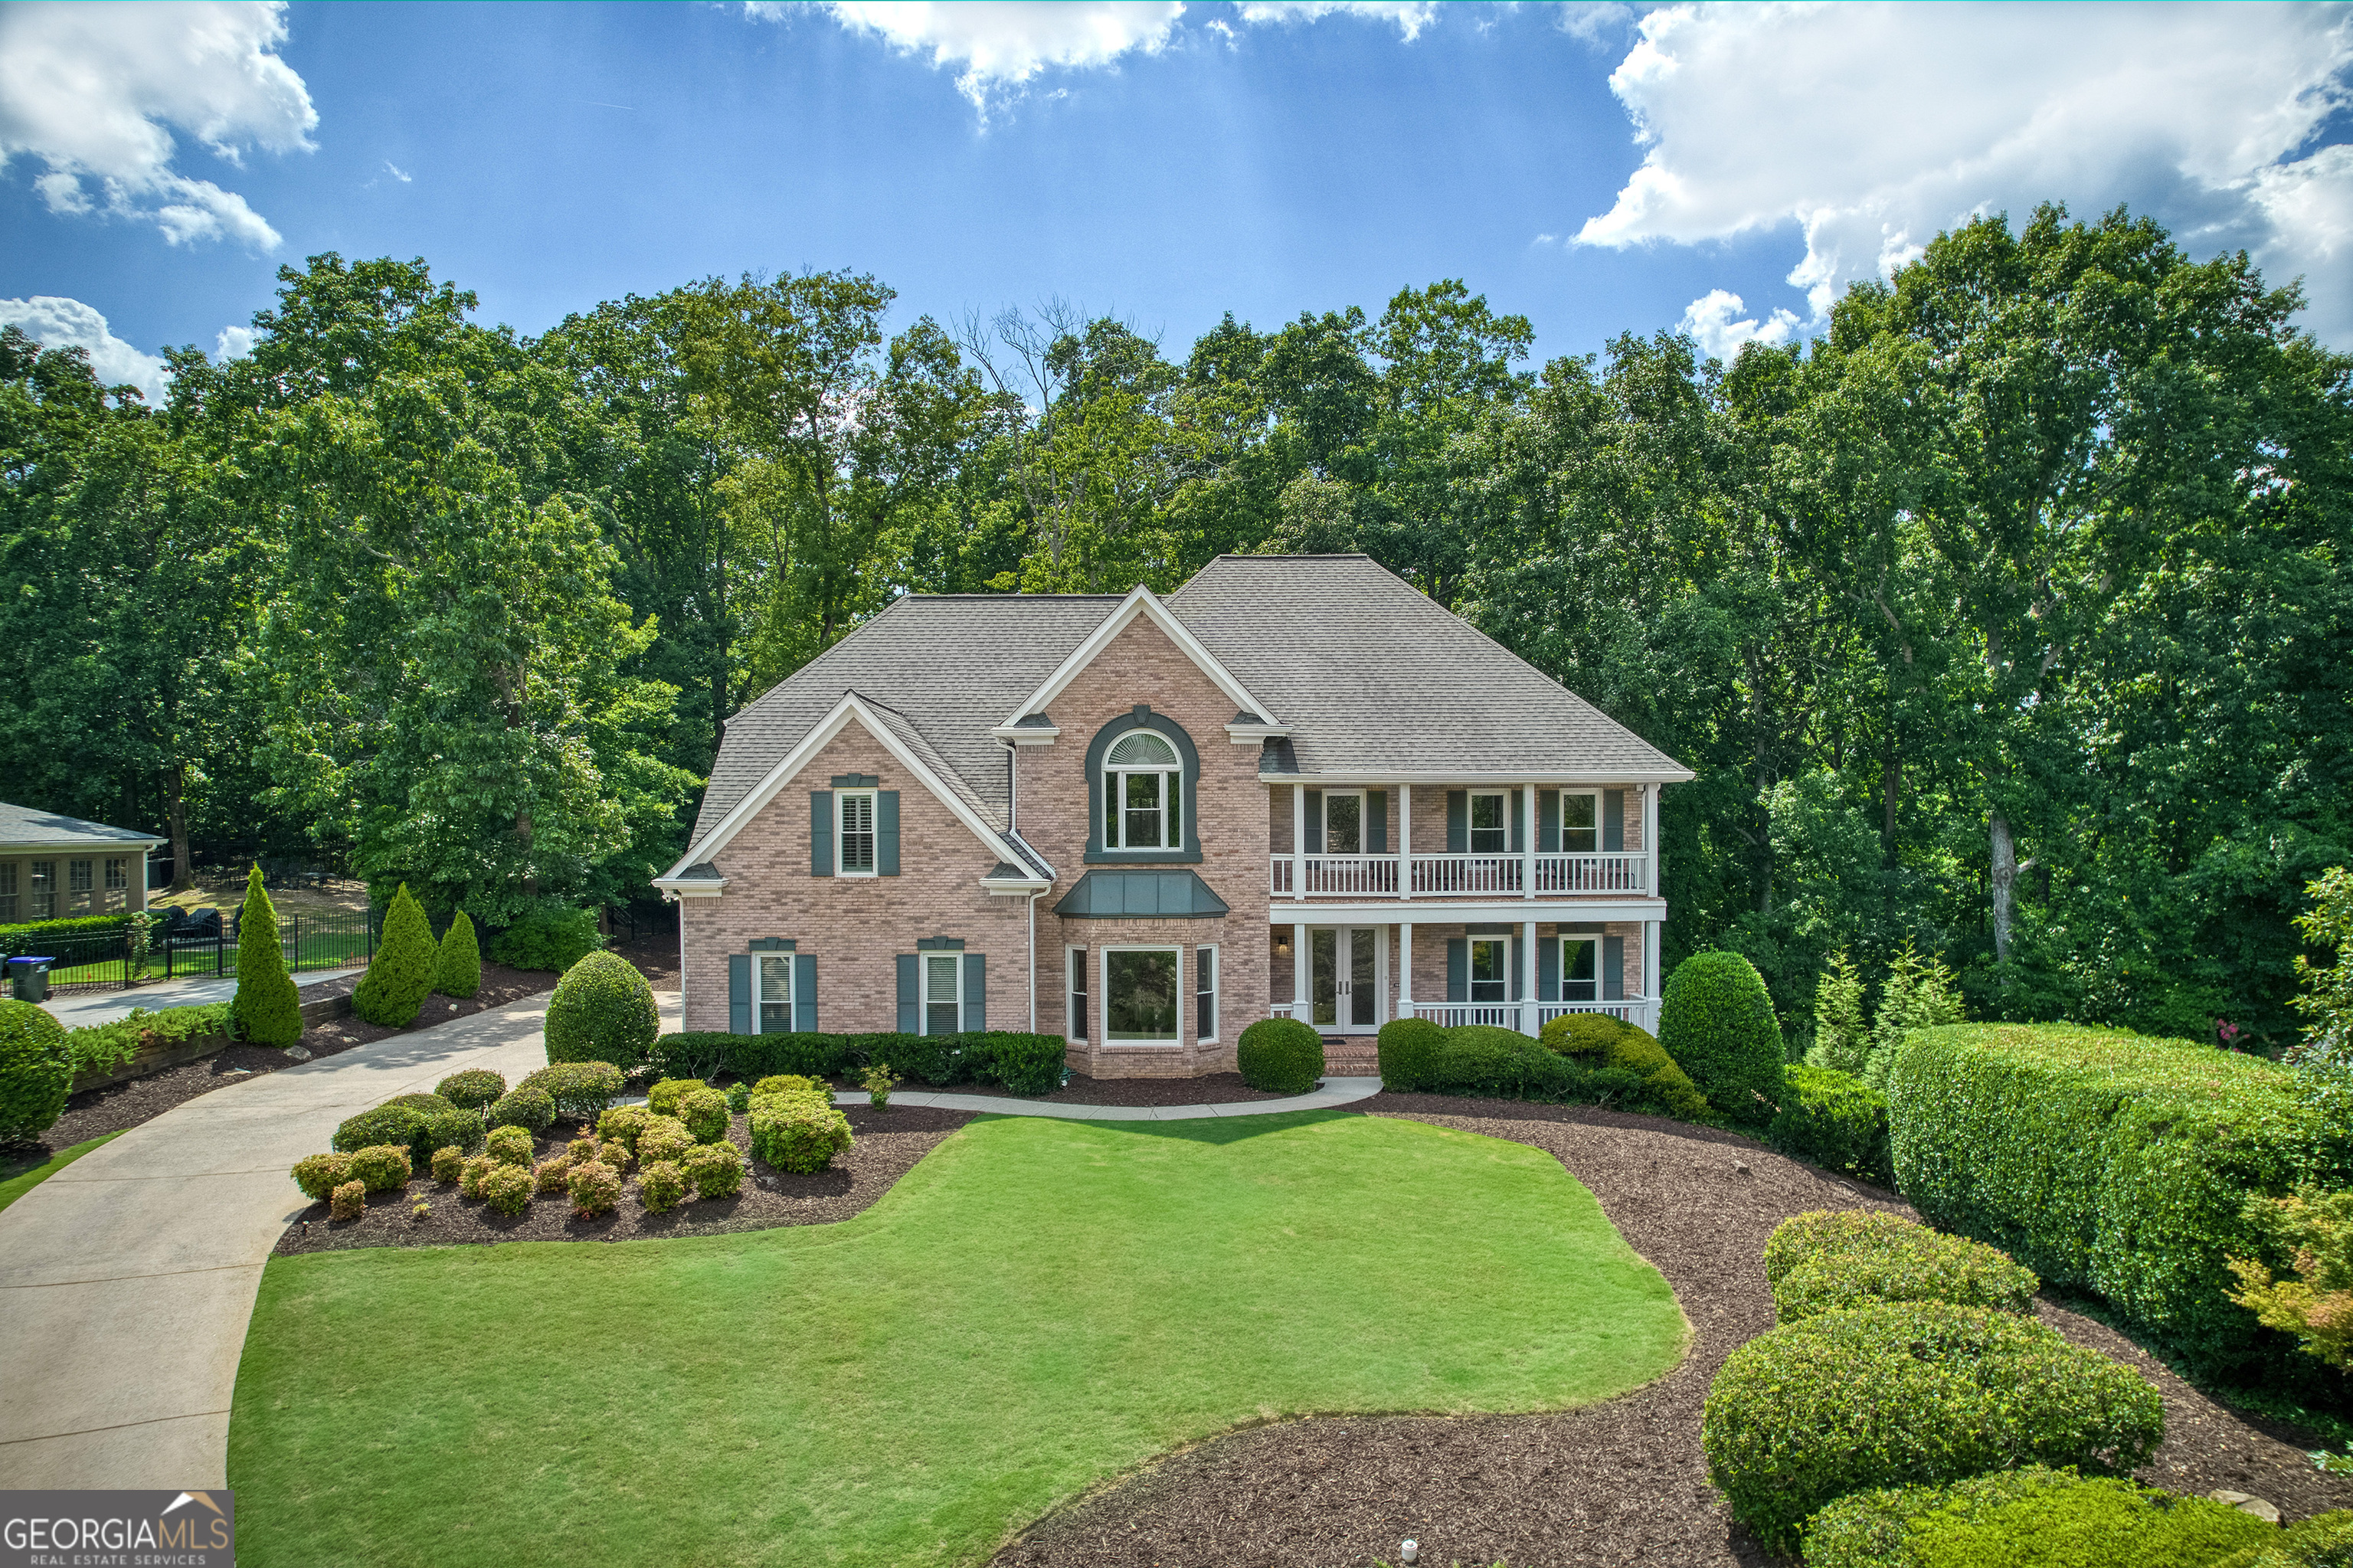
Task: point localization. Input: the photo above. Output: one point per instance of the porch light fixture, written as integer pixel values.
(1283, 946)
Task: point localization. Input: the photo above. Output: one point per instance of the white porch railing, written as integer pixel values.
(1527, 1017)
(1453, 876)
(1342, 875)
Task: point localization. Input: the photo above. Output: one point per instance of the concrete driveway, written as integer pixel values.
(80, 1009)
(127, 1279)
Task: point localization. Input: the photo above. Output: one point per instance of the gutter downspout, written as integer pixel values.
(1033, 955)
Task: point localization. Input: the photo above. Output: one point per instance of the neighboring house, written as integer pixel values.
(54, 867)
(1295, 787)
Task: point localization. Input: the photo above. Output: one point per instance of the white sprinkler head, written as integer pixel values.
(1409, 1551)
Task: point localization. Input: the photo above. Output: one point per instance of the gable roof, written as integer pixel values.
(25, 826)
(1140, 602)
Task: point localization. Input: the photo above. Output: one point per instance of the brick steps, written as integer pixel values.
(1350, 1058)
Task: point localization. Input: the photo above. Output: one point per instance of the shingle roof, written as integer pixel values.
(24, 825)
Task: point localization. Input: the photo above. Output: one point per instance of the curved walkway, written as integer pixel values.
(1333, 1092)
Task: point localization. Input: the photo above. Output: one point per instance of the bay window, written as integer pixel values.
(1140, 996)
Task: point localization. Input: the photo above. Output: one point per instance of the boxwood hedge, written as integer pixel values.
(603, 1011)
(1716, 1020)
(1417, 1055)
(1826, 1260)
(1022, 1064)
(1609, 1042)
(2030, 1515)
(2113, 1162)
(1279, 1056)
(1833, 1119)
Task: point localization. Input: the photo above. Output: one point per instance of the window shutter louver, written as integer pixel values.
(1519, 822)
(1458, 823)
(1458, 969)
(1613, 968)
(910, 1012)
(739, 993)
(1547, 968)
(805, 993)
(1377, 821)
(1613, 821)
(975, 993)
(886, 832)
(1519, 971)
(820, 832)
(1548, 821)
(1315, 821)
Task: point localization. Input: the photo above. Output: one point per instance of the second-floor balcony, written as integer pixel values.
(1455, 876)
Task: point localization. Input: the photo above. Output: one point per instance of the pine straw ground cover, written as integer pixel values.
(1037, 1307)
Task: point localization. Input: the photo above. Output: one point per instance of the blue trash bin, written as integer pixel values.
(28, 978)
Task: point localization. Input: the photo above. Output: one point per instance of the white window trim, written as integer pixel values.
(1471, 828)
(759, 989)
(1172, 786)
(1331, 795)
(1078, 1004)
(923, 989)
(1471, 981)
(1216, 994)
(1591, 939)
(841, 829)
(1103, 1004)
(1595, 795)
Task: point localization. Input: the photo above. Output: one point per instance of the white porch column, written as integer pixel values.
(1405, 968)
(1405, 848)
(1298, 846)
(1650, 958)
(1300, 963)
(1650, 834)
(1529, 1013)
(1528, 847)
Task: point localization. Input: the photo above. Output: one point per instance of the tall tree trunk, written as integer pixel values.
(176, 811)
(1891, 785)
(2005, 885)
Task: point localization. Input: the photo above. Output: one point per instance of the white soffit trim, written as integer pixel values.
(1141, 600)
(1487, 780)
(691, 887)
(851, 707)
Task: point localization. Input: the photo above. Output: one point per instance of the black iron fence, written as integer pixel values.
(204, 942)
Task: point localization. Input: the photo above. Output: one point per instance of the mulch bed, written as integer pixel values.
(888, 1145)
(1619, 1482)
(1214, 1088)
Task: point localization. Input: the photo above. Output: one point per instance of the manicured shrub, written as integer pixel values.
(1828, 1260)
(622, 1124)
(661, 1187)
(1479, 1059)
(386, 1124)
(1407, 1048)
(470, 1174)
(458, 965)
(2323, 1541)
(798, 1132)
(476, 1088)
(715, 1169)
(1837, 1122)
(1909, 1394)
(1716, 1020)
(582, 1149)
(2114, 1163)
(663, 1097)
(595, 1190)
(603, 1011)
(528, 1107)
(665, 1138)
(348, 1202)
(616, 1153)
(102, 1047)
(1021, 1063)
(508, 1145)
(552, 1176)
(704, 1113)
(266, 1007)
(1607, 1042)
(506, 1189)
(579, 1090)
(739, 1098)
(36, 1071)
(549, 936)
(400, 977)
(790, 1084)
(420, 1102)
(448, 1164)
(1279, 1056)
(460, 1128)
(2026, 1518)
(383, 1168)
(319, 1174)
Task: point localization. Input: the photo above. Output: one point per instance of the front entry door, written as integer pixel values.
(1345, 991)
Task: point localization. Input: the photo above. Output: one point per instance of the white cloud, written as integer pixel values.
(233, 342)
(1709, 321)
(1409, 15)
(1872, 127)
(95, 92)
(396, 171)
(1000, 44)
(54, 322)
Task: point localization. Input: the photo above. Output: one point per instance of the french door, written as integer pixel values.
(1345, 980)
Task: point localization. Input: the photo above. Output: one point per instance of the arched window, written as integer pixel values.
(1144, 793)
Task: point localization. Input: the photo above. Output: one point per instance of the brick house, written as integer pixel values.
(1295, 787)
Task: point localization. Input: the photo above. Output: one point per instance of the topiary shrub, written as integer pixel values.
(453, 1128)
(386, 1124)
(2027, 1516)
(704, 1113)
(579, 1090)
(36, 1071)
(470, 1174)
(458, 965)
(508, 1145)
(1716, 1020)
(266, 1007)
(400, 977)
(1832, 1120)
(603, 1011)
(662, 1188)
(1828, 1260)
(664, 1138)
(527, 1107)
(506, 1189)
(549, 936)
(595, 1190)
(663, 1097)
(1407, 1048)
(448, 1165)
(791, 1084)
(383, 1168)
(319, 1174)
(1902, 1395)
(1279, 1056)
(622, 1125)
(348, 1202)
(798, 1132)
(2323, 1541)
(1607, 1043)
(715, 1169)
(476, 1088)
(550, 1176)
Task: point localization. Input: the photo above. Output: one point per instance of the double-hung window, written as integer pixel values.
(1580, 822)
(772, 991)
(1490, 823)
(117, 875)
(1205, 994)
(1491, 969)
(44, 888)
(1579, 975)
(853, 811)
(1144, 793)
(78, 875)
(943, 993)
(1078, 993)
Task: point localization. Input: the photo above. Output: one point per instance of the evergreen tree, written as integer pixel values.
(459, 972)
(1840, 1041)
(1920, 995)
(400, 977)
(267, 1004)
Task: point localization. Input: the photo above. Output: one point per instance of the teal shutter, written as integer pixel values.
(1458, 823)
(805, 993)
(1519, 971)
(910, 1013)
(1548, 821)
(1519, 822)
(1315, 821)
(739, 993)
(975, 993)
(1377, 821)
(1613, 821)
(886, 832)
(1613, 968)
(1458, 966)
(820, 832)
(1547, 968)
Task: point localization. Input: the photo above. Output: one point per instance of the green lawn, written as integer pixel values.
(22, 1180)
(1037, 1306)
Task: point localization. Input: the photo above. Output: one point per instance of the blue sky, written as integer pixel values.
(1168, 163)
